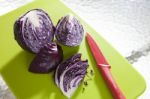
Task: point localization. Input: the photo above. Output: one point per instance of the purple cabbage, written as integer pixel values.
(70, 73)
(69, 31)
(66, 65)
(47, 59)
(34, 29)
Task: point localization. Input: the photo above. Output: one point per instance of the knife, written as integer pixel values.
(104, 68)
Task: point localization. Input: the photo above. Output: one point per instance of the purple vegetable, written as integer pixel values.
(47, 59)
(69, 31)
(33, 30)
(70, 73)
(66, 65)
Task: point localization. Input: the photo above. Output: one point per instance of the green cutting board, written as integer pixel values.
(14, 62)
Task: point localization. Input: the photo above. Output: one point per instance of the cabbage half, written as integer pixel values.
(34, 29)
(70, 73)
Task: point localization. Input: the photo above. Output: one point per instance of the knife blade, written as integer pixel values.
(104, 68)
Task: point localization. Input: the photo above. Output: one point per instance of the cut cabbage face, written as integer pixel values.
(66, 64)
(69, 31)
(70, 73)
(34, 29)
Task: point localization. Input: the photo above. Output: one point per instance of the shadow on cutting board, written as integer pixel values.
(27, 85)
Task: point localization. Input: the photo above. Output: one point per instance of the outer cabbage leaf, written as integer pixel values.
(47, 59)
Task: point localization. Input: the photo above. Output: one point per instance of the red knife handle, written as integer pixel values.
(112, 85)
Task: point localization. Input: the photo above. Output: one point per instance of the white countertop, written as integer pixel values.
(125, 24)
